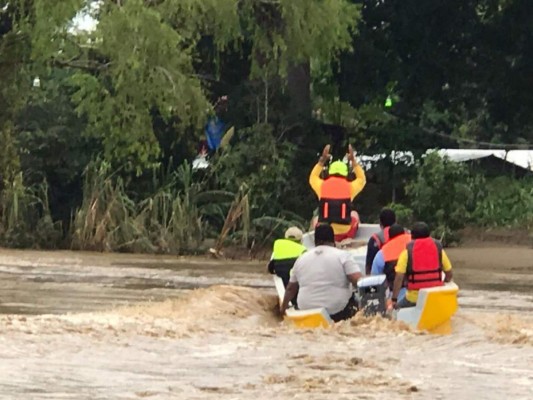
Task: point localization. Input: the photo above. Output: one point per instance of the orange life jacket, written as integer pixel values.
(424, 264)
(391, 252)
(381, 237)
(335, 201)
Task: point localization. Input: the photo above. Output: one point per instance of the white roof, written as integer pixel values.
(522, 158)
(398, 157)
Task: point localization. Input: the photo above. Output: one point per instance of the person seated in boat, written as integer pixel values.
(323, 278)
(421, 265)
(336, 192)
(387, 258)
(285, 253)
(387, 218)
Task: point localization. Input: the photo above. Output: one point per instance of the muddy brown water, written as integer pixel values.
(94, 326)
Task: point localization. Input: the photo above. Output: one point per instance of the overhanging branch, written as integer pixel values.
(78, 64)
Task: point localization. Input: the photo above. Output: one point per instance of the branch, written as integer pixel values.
(168, 75)
(78, 44)
(289, 128)
(77, 64)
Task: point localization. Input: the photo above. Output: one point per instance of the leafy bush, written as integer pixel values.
(261, 163)
(444, 195)
(449, 195)
(505, 202)
(404, 215)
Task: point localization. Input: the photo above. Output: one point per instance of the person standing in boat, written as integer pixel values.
(336, 192)
(323, 278)
(421, 264)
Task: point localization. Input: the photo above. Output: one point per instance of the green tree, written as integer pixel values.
(458, 67)
(444, 194)
(140, 57)
(14, 87)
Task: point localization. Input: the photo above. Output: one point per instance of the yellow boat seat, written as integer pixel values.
(433, 311)
(314, 318)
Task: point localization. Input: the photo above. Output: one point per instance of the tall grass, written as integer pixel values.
(172, 220)
(15, 201)
(239, 212)
(25, 220)
(106, 211)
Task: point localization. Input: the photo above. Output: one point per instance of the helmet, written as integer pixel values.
(338, 168)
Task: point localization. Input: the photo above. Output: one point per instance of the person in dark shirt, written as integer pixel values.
(387, 218)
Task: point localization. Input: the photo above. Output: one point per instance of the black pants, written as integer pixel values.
(284, 274)
(348, 312)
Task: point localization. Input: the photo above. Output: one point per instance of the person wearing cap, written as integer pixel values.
(421, 265)
(323, 278)
(336, 193)
(386, 258)
(285, 253)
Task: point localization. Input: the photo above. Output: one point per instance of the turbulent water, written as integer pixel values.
(82, 326)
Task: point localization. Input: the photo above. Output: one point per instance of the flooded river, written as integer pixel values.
(92, 326)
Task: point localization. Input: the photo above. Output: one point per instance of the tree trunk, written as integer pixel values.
(299, 89)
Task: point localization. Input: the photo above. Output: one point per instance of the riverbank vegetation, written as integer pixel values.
(103, 105)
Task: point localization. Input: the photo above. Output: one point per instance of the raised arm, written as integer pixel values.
(314, 178)
(360, 178)
(359, 183)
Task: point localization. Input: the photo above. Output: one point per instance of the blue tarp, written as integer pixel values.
(214, 130)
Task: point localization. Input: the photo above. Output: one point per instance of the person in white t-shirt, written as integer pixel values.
(323, 277)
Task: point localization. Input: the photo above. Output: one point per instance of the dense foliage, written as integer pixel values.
(99, 126)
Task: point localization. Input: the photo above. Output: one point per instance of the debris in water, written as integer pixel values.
(355, 361)
(275, 379)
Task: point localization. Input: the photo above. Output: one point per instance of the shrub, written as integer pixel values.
(404, 215)
(444, 194)
(262, 164)
(505, 202)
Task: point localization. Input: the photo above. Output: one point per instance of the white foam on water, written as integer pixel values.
(226, 342)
